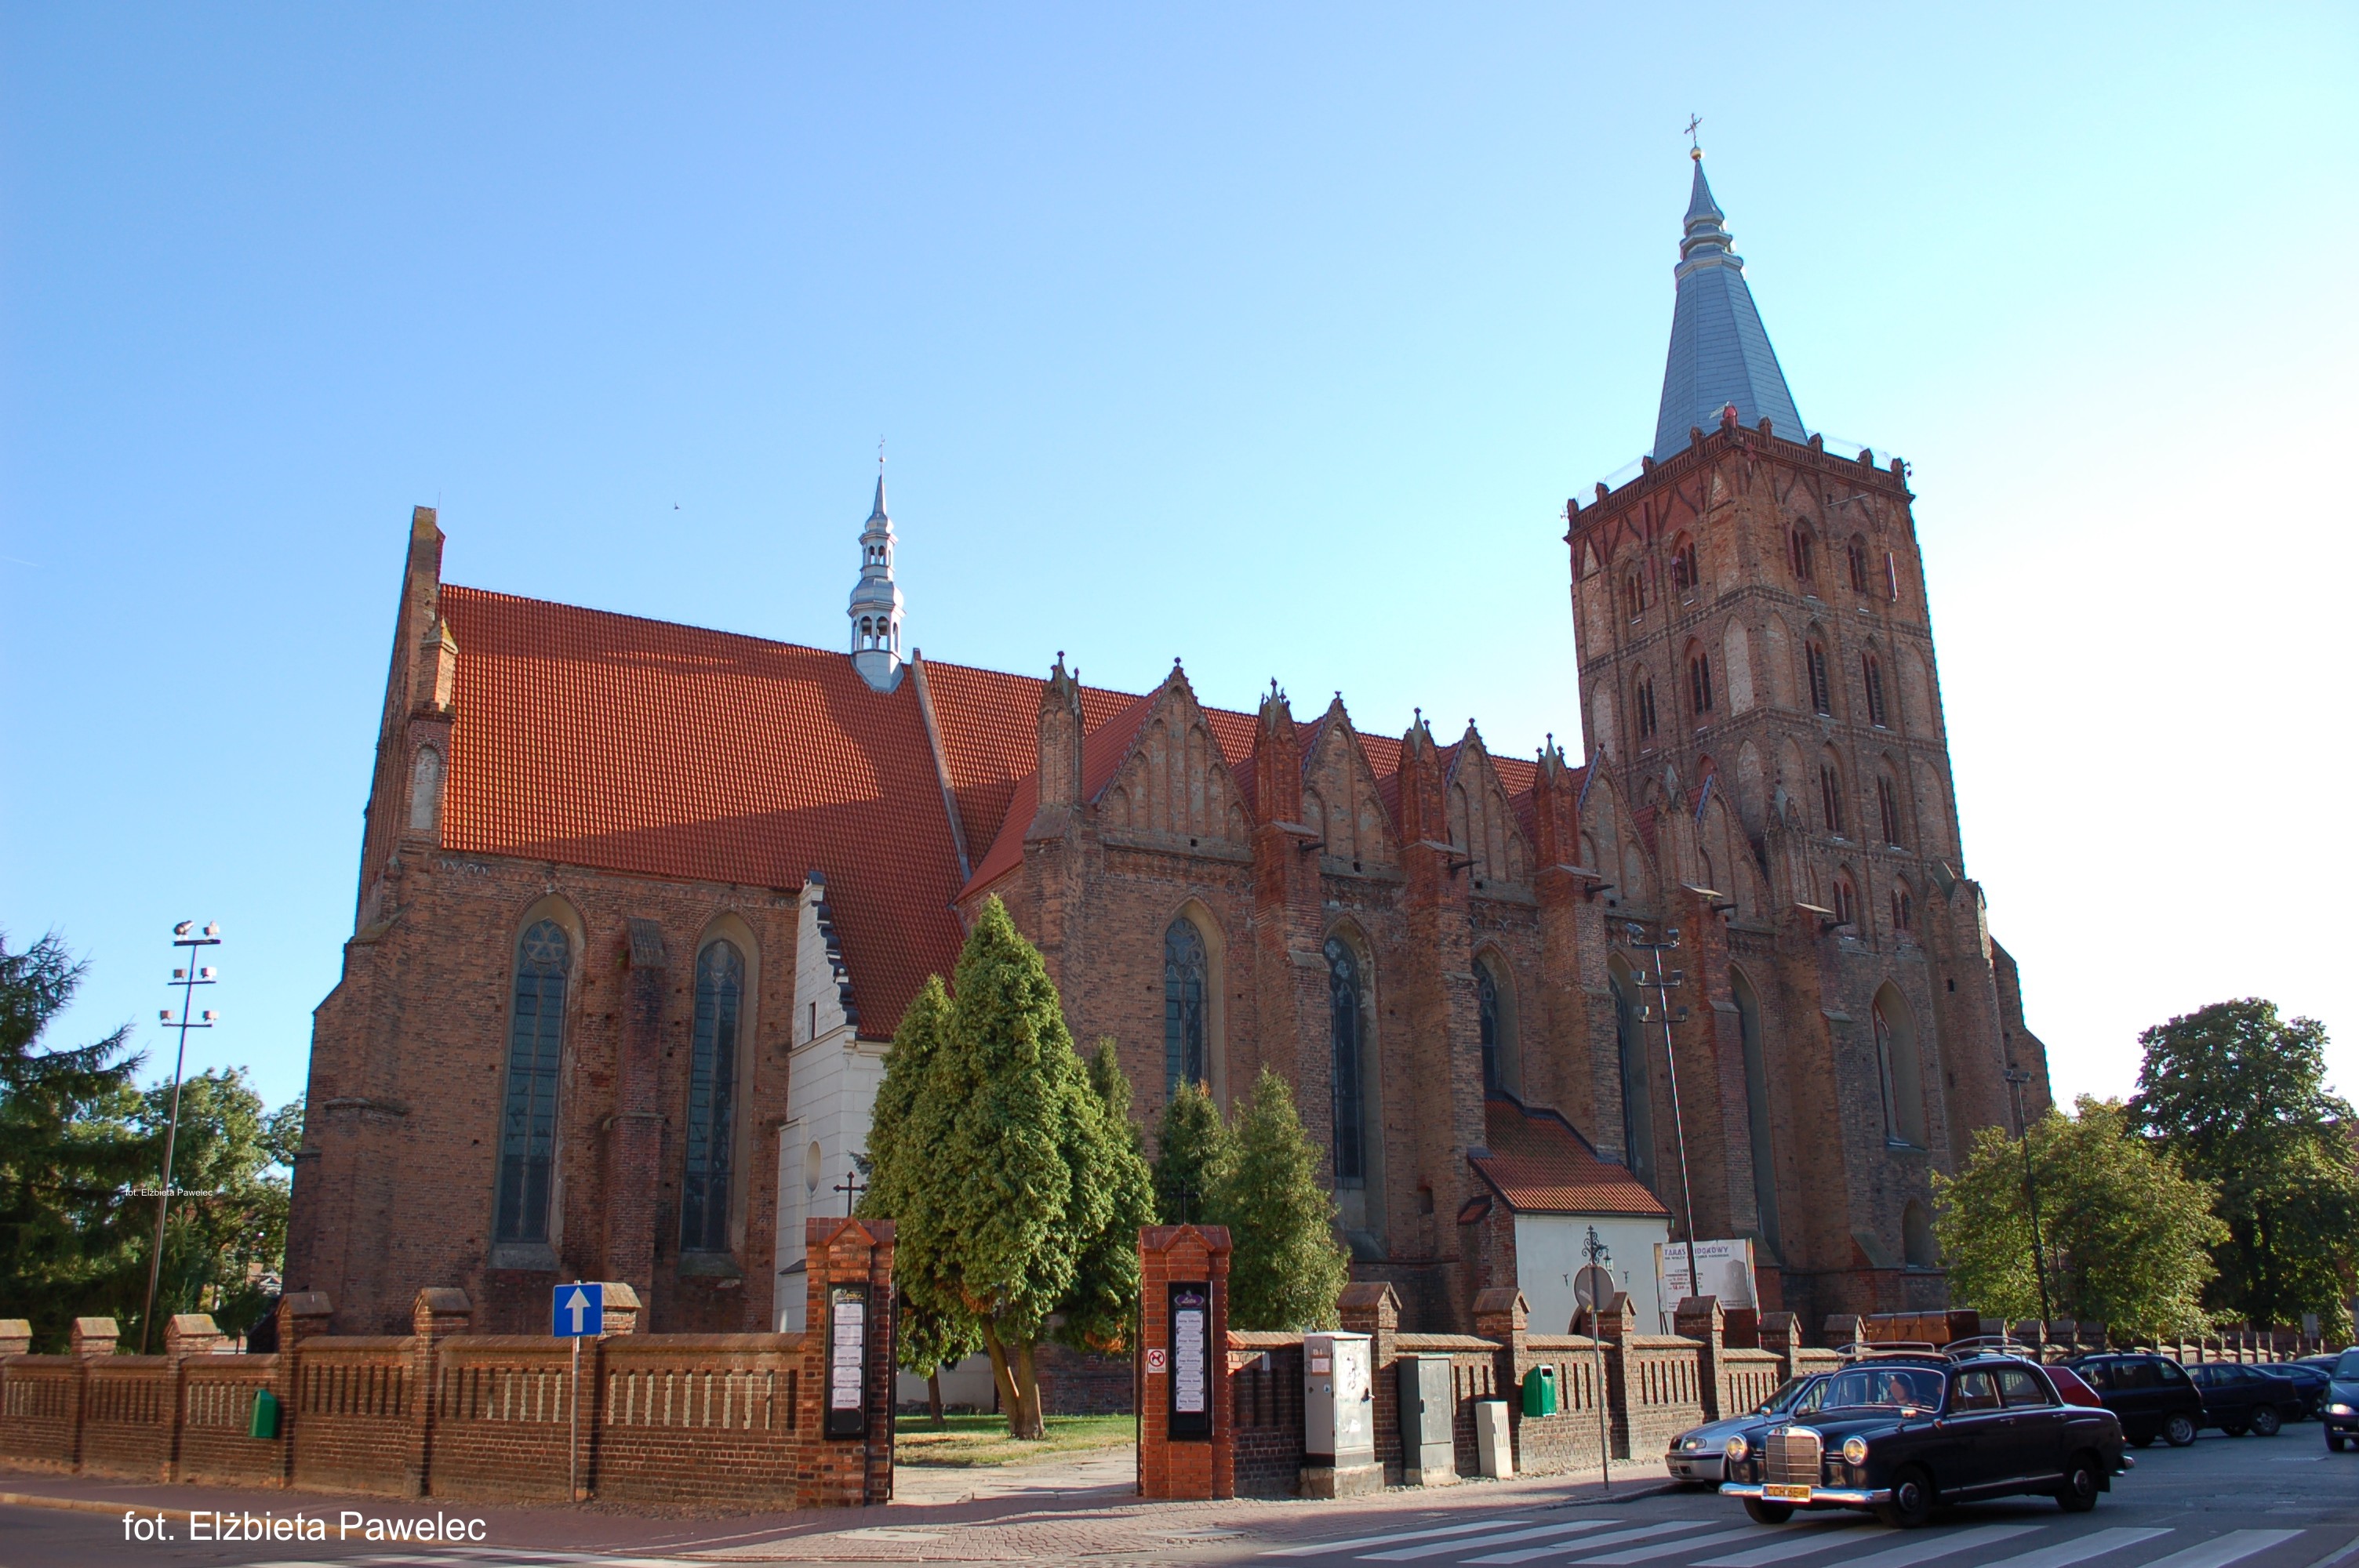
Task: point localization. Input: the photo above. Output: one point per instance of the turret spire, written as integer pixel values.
(1720, 351)
(876, 608)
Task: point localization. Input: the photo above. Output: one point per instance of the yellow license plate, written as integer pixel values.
(1776, 1494)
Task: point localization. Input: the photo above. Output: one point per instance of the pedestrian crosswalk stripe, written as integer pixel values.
(1613, 1538)
(2221, 1551)
(2080, 1549)
(1665, 1548)
(1794, 1546)
(1931, 1545)
(1317, 1548)
(1435, 1549)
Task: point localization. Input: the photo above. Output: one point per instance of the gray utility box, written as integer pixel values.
(1339, 1408)
(1427, 1418)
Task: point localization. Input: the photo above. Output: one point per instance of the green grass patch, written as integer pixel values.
(973, 1440)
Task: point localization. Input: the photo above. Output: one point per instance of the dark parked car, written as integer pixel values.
(2307, 1381)
(2341, 1415)
(1898, 1434)
(2238, 1400)
(1699, 1453)
(2152, 1394)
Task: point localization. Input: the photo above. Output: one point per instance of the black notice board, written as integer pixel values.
(847, 1361)
(1188, 1327)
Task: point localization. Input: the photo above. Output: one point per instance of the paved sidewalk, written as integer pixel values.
(1074, 1507)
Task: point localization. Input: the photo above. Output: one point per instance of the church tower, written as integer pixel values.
(876, 608)
(1758, 683)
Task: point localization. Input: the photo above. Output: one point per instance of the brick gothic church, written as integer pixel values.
(641, 905)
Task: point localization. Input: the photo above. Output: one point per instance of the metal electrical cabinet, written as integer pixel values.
(1429, 1409)
(1339, 1408)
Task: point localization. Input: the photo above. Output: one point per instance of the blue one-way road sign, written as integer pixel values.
(579, 1311)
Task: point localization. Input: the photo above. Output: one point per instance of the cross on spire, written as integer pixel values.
(1695, 146)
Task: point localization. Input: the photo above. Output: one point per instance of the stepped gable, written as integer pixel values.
(990, 726)
(1539, 1164)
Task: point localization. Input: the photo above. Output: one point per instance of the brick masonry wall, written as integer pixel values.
(1265, 1409)
(1076, 1382)
(41, 1410)
(502, 1417)
(1169, 1467)
(127, 1409)
(350, 1415)
(217, 1398)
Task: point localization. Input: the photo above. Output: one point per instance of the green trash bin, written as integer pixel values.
(265, 1423)
(1539, 1391)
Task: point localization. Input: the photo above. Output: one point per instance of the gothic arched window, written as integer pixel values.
(1904, 910)
(1683, 565)
(1831, 812)
(1346, 1031)
(1887, 807)
(1486, 1015)
(1799, 554)
(426, 790)
(1857, 553)
(1846, 900)
(1642, 702)
(1871, 675)
(1896, 1064)
(528, 1109)
(705, 1185)
(1184, 1006)
(1634, 593)
(1823, 698)
(1700, 682)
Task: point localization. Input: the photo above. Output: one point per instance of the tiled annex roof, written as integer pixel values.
(588, 738)
(1541, 1164)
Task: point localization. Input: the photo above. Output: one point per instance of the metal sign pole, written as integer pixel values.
(573, 1439)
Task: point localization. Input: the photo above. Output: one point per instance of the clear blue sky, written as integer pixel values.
(1273, 337)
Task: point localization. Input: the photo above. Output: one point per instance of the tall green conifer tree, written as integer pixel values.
(1286, 1271)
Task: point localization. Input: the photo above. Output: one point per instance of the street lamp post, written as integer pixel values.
(1665, 981)
(189, 977)
(2016, 1078)
(1598, 1256)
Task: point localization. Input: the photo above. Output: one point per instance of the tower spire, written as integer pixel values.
(876, 607)
(1720, 354)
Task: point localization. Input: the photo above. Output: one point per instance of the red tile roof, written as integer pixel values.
(600, 740)
(592, 739)
(1540, 1164)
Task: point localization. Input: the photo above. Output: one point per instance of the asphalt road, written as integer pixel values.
(2251, 1502)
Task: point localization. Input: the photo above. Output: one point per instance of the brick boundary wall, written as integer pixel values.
(730, 1420)
(1184, 1468)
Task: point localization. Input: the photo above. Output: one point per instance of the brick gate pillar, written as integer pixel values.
(1187, 1437)
(849, 1281)
(436, 1314)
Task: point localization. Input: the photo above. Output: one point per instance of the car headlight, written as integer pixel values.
(1854, 1451)
(2345, 1410)
(1737, 1448)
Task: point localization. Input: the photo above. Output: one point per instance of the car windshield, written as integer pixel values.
(2348, 1366)
(1896, 1387)
(1789, 1391)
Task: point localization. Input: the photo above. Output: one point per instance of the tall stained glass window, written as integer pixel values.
(1487, 1013)
(1346, 1029)
(1184, 1006)
(528, 1112)
(712, 1099)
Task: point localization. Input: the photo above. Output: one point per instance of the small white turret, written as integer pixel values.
(876, 609)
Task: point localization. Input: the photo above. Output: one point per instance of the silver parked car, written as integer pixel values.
(1699, 1454)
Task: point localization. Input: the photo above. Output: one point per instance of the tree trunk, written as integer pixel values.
(934, 1398)
(1003, 1379)
(1027, 1420)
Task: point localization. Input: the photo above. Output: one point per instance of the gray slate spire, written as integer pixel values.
(876, 607)
(1720, 354)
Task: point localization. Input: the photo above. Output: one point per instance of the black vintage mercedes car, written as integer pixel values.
(1900, 1435)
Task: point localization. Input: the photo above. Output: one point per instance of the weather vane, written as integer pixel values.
(1695, 121)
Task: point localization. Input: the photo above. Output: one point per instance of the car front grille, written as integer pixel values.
(1792, 1457)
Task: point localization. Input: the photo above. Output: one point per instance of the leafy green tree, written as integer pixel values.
(999, 1163)
(2239, 1096)
(1286, 1271)
(225, 1240)
(70, 1149)
(1103, 1307)
(2125, 1231)
(1192, 1153)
